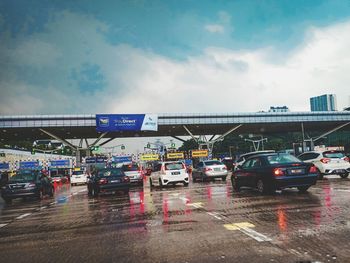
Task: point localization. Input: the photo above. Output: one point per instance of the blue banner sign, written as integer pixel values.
(60, 163)
(122, 159)
(126, 122)
(91, 160)
(4, 166)
(29, 165)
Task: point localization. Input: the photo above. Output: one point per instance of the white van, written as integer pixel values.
(78, 177)
(166, 173)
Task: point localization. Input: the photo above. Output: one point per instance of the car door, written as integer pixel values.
(198, 170)
(243, 172)
(155, 174)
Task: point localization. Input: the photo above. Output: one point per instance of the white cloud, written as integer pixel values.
(138, 81)
(215, 28)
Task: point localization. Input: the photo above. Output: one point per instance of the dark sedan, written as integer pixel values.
(108, 180)
(269, 172)
(26, 183)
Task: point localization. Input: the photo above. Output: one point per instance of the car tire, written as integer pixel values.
(40, 194)
(185, 184)
(160, 183)
(126, 191)
(236, 185)
(320, 175)
(262, 187)
(51, 192)
(344, 175)
(94, 192)
(303, 189)
(224, 178)
(150, 183)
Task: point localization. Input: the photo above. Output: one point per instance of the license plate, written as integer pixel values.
(339, 171)
(296, 171)
(115, 181)
(175, 173)
(217, 169)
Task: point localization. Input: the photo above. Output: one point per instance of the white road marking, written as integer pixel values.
(43, 207)
(342, 190)
(216, 215)
(255, 235)
(184, 199)
(23, 216)
(83, 190)
(75, 193)
(2, 225)
(53, 203)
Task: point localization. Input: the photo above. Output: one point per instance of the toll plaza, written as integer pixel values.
(61, 167)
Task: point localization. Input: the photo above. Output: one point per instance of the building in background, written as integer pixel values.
(279, 109)
(327, 102)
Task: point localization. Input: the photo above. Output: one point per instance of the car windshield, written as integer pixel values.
(334, 154)
(110, 172)
(24, 176)
(78, 172)
(282, 158)
(174, 166)
(130, 167)
(208, 163)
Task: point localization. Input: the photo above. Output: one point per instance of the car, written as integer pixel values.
(328, 162)
(210, 169)
(170, 172)
(245, 156)
(229, 162)
(27, 183)
(108, 180)
(134, 172)
(78, 177)
(269, 172)
(59, 178)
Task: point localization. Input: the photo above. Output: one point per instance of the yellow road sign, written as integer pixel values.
(176, 155)
(149, 157)
(199, 153)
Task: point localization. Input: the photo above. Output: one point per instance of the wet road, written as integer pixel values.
(205, 222)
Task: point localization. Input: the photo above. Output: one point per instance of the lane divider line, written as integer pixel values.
(2, 225)
(23, 216)
(214, 214)
(246, 228)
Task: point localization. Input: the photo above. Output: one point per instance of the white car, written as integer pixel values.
(166, 173)
(328, 162)
(78, 177)
(210, 169)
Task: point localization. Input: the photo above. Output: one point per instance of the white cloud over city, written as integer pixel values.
(133, 80)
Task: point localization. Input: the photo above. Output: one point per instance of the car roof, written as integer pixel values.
(258, 152)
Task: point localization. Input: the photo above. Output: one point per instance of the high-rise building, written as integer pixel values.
(327, 102)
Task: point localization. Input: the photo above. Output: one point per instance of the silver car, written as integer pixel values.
(210, 169)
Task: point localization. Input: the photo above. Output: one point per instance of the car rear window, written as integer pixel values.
(208, 163)
(174, 166)
(78, 172)
(130, 167)
(110, 172)
(334, 154)
(24, 176)
(282, 158)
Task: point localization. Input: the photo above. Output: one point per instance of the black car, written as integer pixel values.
(269, 172)
(108, 180)
(26, 183)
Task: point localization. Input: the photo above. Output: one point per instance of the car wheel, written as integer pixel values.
(126, 191)
(51, 192)
(262, 187)
(344, 176)
(150, 182)
(236, 185)
(160, 183)
(224, 178)
(320, 175)
(185, 184)
(94, 192)
(303, 189)
(40, 194)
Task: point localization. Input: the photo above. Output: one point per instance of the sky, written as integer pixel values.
(139, 56)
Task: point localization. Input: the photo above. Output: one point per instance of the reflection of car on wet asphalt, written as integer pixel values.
(166, 173)
(108, 180)
(134, 172)
(209, 170)
(26, 183)
(59, 178)
(269, 172)
(328, 162)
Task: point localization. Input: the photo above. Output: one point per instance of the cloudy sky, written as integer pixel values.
(139, 56)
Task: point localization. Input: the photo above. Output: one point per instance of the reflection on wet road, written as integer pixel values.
(205, 222)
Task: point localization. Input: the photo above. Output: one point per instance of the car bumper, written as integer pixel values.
(216, 174)
(168, 180)
(336, 171)
(19, 193)
(295, 181)
(114, 187)
(78, 181)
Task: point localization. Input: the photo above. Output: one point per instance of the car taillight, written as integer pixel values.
(103, 181)
(278, 172)
(126, 179)
(347, 159)
(313, 170)
(325, 160)
(208, 169)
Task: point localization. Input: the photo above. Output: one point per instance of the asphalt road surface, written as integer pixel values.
(204, 222)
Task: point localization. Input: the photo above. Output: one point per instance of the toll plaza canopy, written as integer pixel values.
(36, 127)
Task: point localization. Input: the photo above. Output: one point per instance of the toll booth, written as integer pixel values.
(93, 163)
(61, 167)
(29, 165)
(118, 161)
(4, 173)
